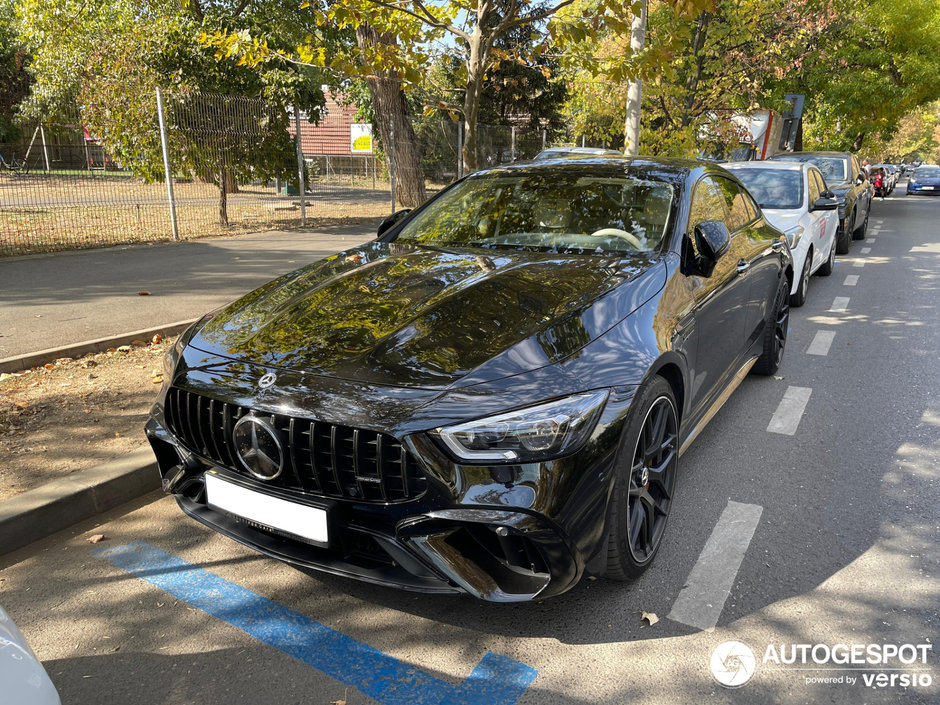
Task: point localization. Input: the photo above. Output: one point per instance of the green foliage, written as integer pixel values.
(14, 79)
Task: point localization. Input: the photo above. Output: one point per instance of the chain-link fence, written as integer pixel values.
(235, 167)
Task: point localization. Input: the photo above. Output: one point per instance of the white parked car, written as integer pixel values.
(794, 198)
(23, 680)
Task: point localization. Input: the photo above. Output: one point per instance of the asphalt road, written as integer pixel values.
(47, 301)
(835, 528)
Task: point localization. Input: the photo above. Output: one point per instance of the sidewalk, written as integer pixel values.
(47, 301)
(86, 299)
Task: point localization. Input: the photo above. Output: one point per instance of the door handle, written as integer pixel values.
(743, 266)
(776, 245)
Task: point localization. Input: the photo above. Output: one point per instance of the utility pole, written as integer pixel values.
(631, 146)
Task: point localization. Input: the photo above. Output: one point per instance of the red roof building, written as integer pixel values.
(332, 134)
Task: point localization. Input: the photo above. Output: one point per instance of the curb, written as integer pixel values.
(57, 505)
(30, 360)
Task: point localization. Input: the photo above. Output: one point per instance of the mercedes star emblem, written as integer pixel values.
(258, 447)
(266, 381)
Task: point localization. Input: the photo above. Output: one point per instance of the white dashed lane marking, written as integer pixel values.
(821, 343)
(850, 280)
(858, 263)
(866, 250)
(701, 601)
(839, 304)
(870, 241)
(786, 418)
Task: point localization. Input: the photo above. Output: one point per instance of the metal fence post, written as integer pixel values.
(166, 165)
(391, 162)
(302, 186)
(512, 149)
(45, 150)
(543, 138)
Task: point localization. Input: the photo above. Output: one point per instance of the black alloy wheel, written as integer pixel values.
(643, 490)
(859, 233)
(844, 237)
(775, 333)
(826, 268)
(799, 298)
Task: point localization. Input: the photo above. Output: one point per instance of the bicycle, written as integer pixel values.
(15, 165)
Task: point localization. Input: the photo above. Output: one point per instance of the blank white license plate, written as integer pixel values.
(926, 188)
(298, 519)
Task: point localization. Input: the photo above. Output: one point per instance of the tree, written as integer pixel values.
(13, 75)
(115, 54)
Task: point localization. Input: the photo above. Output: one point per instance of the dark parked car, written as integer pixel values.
(491, 397)
(848, 181)
(924, 179)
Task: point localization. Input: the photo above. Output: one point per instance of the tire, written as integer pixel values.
(799, 298)
(826, 268)
(859, 232)
(775, 332)
(844, 238)
(644, 484)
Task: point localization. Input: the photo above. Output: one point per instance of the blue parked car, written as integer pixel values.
(925, 179)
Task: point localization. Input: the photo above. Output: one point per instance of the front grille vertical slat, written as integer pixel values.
(312, 451)
(227, 427)
(215, 437)
(378, 466)
(331, 461)
(403, 459)
(334, 466)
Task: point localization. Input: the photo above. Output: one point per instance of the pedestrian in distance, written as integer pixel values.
(880, 183)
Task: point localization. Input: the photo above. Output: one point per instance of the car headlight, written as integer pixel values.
(793, 236)
(913, 182)
(527, 435)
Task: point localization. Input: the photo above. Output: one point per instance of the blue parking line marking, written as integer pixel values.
(494, 681)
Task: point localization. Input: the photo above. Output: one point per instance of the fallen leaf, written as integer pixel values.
(777, 377)
(124, 348)
(138, 342)
(157, 380)
(143, 293)
(96, 538)
(650, 617)
(156, 339)
(21, 404)
(354, 258)
(117, 434)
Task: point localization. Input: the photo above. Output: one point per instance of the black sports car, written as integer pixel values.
(492, 396)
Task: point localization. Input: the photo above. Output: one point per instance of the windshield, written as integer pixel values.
(773, 188)
(927, 173)
(549, 211)
(832, 168)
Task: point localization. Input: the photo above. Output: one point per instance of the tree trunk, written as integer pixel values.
(691, 85)
(476, 67)
(223, 204)
(392, 112)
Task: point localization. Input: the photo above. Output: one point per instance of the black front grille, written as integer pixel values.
(322, 459)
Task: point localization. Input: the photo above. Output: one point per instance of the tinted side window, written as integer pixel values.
(814, 189)
(708, 203)
(736, 201)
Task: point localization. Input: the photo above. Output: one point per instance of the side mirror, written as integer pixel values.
(827, 194)
(711, 240)
(860, 179)
(391, 221)
(825, 204)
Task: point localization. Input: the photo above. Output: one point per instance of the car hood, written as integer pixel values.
(414, 316)
(783, 219)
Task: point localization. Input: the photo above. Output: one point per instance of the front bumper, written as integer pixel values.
(499, 533)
